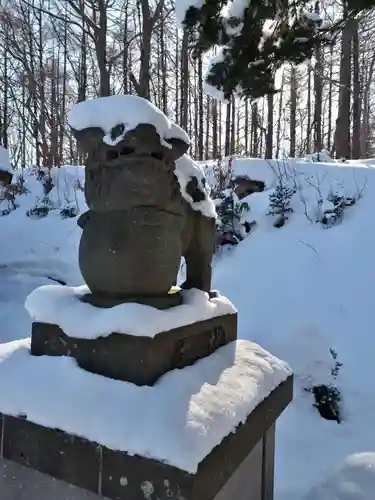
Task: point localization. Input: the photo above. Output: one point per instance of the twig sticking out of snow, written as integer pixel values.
(360, 190)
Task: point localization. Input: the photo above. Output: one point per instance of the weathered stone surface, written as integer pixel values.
(51, 451)
(142, 237)
(22, 483)
(147, 358)
(138, 224)
(135, 477)
(172, 299)
(243, 460)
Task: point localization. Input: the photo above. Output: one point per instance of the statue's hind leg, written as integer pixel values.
(198, 251)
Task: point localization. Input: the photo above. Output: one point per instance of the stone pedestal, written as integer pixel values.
(137, 359)
(240, 468)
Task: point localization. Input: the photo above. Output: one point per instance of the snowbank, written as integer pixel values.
(4, 160)
(178, 421)
(354, 479)
(267, 171)
(37, 251)
(300, 290)
(127, 110)
(61, 305)
(45, 246)
(257, 169)
(323, 156)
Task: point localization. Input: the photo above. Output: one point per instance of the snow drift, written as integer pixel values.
(300, 290)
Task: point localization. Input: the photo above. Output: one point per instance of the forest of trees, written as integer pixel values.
(54, 53)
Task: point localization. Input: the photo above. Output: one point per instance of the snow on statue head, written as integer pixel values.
(148, 204)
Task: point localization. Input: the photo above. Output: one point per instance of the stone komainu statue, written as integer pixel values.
(141, 221)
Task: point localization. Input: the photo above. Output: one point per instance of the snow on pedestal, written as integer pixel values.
(61, 306)
(178, 421)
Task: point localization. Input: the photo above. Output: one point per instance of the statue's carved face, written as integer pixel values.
(141, 142)
(136, 171)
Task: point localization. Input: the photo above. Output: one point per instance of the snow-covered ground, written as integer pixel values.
(300, 290)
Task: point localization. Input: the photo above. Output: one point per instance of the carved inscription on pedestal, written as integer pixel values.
(190, 348)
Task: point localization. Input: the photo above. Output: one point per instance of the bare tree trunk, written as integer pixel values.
(254, 130)
(201, 109)
(4, 117)
(185, 81)
(293, 110)
(144, 73)
(164, 70)
(220, 114)
(318, 89)
(365, 129)
(342, 138)
(125, 55)
(330, 92)
(101, 50)
(196, 111)
(207, 138)
(308, 130)
(233, 128)
(278, 129)
(356, 138)
(247, 132)
(63, 97)
(227, 130)
(269, 137)
(178, 109)
(214, 129)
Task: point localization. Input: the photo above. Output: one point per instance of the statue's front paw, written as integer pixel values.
(83, 219)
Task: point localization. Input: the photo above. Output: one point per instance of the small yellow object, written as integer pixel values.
(174, 289)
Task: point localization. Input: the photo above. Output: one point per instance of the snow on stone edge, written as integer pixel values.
(185, 170)
(61, 305)
(129, 110)
(4, 160)
(178, 421)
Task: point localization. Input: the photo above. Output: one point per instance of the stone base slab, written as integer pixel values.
(161, 302)
(22, 483)
(240, 468)
(136, 359)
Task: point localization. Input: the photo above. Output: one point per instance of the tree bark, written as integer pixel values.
(293, 111)
(269, 137)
